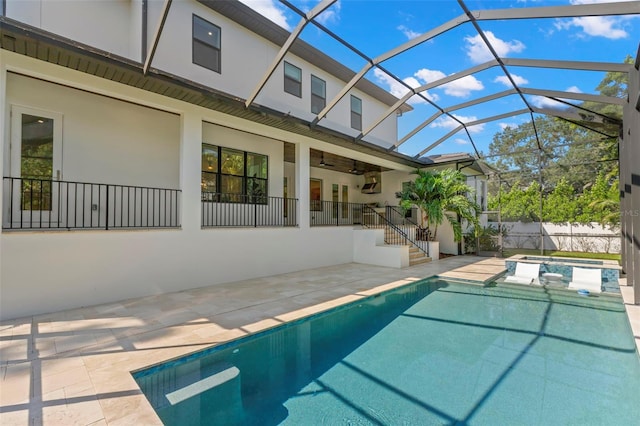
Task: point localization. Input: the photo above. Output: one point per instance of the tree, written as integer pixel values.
(439, 195)
(518, 204)
(560, 205)
(571, 156)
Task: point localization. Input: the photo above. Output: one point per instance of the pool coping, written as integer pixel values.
(606, 263)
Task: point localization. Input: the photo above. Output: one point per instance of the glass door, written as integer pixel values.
(36, 166)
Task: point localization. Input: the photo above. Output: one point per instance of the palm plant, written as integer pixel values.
(438, 195)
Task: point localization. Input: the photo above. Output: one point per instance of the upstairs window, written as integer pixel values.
(356, 113)
(206, 44)
(292, 79)
(318, 94)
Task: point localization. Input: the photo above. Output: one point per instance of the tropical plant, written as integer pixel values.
(438, 195)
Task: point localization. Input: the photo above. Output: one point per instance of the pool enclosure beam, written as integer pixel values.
(449, 109)
(551, 94)
(573, 95)
(609, 9)
(470, 124)
(502, 66)
(156, 36)
(321, 7)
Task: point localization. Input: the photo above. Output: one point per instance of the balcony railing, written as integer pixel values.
(238, 210)
(333, 213)
(50, 204)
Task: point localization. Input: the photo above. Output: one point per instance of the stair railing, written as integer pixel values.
(399, 236)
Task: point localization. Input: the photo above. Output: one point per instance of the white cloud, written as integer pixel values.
(460, 88)
(544, 102)
(331, 15)
(428, 75)
(449, 123)
(596, 26)
(460, 141)
(516, 78)
(398, 90)
(409, 33)
(270, 10)
(507, 125)
(478, 51)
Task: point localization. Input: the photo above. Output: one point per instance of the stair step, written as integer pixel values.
(416, 255)
(413, 262)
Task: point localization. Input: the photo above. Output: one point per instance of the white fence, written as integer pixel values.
(592, 238)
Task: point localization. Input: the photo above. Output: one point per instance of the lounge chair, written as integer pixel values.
(586, 279)
(526, 273)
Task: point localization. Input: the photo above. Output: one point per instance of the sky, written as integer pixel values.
(377, 26)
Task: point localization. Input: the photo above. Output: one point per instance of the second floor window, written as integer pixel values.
(356, 113)
(318, 94)
(292, 79)
(206, 44)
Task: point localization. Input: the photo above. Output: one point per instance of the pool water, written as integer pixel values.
(434, 352)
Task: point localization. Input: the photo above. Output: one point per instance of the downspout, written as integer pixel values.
(145, 19)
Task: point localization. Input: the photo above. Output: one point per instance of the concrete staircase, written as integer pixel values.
(417, 256)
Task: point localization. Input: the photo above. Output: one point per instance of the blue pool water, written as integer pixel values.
(434, 352)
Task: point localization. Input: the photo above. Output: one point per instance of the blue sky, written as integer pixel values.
(377, 26)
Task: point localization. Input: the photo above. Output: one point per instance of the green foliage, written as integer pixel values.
(439, 195)
(518, 204)
(597, 203)
(560, 205)
(578, 167)
(484, 238)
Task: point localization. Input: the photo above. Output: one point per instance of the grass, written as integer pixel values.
(575, 254)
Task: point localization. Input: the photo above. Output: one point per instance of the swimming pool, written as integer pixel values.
(434, 352)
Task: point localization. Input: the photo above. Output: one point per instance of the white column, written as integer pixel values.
(633, 134)
(302, 183)
(190, 163)
(3, 132)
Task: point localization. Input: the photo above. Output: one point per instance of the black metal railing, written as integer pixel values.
(334, 213)
(394, 233)
(399, 216)
(52, 204)
(239, 210)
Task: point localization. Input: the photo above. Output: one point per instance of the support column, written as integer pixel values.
(633, 139)
(630, 184)
(190, 153)
(303, 163)
(3, 131)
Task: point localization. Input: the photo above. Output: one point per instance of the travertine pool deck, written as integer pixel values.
(73, 367)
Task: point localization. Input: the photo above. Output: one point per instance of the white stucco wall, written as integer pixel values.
(245, 58)
(369, 248)
(106, 24)
(565, 237)
(104, 140)
(48, 271)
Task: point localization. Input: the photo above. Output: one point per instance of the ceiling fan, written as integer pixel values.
(323, 164)
(355, 170)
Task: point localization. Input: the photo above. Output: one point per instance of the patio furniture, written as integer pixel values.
(526, 273)
(586, 279)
